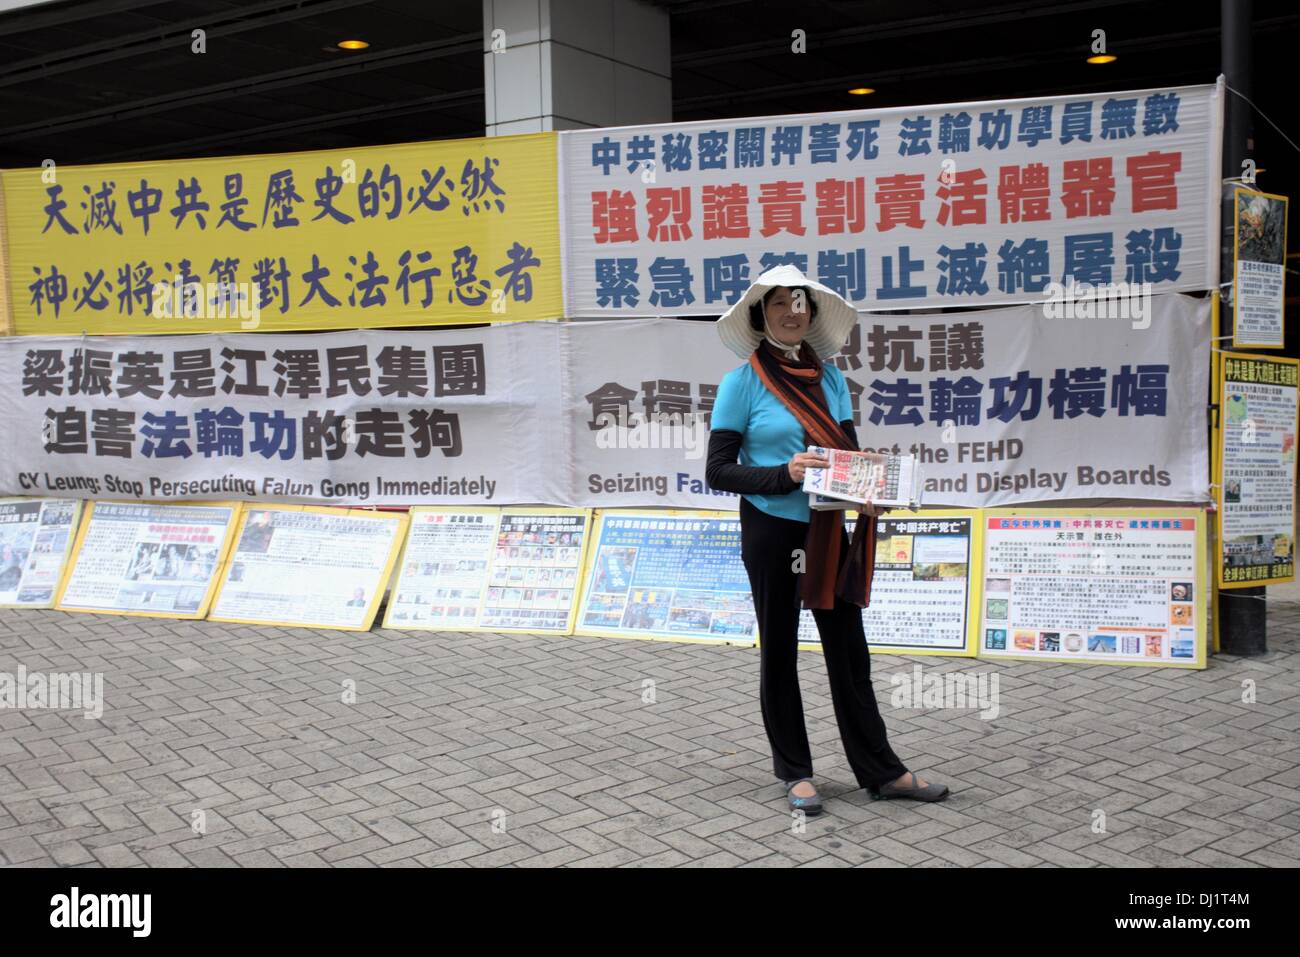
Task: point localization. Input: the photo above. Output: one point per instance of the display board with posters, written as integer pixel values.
(487, 569)
(975, 203)
(1102, 586)
(141, 558)
(1257, 461)
(36, 536)
(1259, 269)
(316, 567)
(442, 576)
(452, 231)
(924, 594)
(672, 574)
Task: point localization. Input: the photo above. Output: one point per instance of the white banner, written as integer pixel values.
(1001, 406)
(1040, 408)
(459, 417)
(962, 204)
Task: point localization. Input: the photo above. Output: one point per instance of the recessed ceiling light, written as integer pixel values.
(1102, 58)
(353, 44)
(861, 90)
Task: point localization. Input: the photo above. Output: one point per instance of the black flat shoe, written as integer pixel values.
(931, 792)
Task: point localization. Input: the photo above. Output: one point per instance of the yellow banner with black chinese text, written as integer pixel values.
(447, 232)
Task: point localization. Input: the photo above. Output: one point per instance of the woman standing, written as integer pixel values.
(769, 410)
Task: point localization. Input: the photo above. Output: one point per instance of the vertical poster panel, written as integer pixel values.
(1257, 461)
(536, 571)
(1258, 269)
(36, 537)
(141, 558)
(309, 566)
(442, 576)
(673, 575)
(407, 234)
(924, 592)
(1101, 586)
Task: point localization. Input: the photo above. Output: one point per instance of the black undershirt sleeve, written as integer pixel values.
(725, 474)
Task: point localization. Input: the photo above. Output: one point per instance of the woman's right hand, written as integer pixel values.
(803, 461)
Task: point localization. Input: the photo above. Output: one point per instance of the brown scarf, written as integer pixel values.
(797, 383)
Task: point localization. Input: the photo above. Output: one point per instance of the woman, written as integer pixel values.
(769, 410)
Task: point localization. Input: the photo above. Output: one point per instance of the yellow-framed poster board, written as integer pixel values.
(514, 569)
(1256, 460)
(36, 539)
(668, 575)
(925, 587)
(1259, 227)
(310, 566)
(1120, 586)
(154, 559)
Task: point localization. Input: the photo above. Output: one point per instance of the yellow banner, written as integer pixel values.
(455, 231)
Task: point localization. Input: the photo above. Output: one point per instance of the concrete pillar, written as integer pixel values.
(572, 64)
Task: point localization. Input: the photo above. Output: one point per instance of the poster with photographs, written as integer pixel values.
(309, 566)
(148, 559)
(1257, 465)
(442, 576)
(674, 575)
(535, 570)
(36, 536)
(1259, 269)
(1102, 586)
(922, 595)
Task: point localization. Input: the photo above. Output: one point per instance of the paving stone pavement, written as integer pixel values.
(485, 750)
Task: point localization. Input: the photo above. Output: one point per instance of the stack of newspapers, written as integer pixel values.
(862, 478)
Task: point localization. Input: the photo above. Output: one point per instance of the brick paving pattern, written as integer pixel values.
(488, 750)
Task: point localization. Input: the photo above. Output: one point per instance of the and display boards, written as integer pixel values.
(1258, 269)
(1257, 470)
(143, 558)
(1102, 586)
(36, 537)
(489, 569)
(924, 594)
(673, 575)
(309, 566)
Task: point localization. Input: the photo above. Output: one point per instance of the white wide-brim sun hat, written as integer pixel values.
(829, 330)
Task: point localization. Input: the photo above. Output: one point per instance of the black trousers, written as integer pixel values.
(767, 547)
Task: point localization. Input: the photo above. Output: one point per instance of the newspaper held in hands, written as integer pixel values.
(859, 478)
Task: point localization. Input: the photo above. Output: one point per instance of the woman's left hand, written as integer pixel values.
(872, 511)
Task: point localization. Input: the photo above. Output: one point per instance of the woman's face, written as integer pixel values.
(787, 315)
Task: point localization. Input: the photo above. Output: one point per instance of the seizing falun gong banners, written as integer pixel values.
(487, 569)
(1102, 586)
(453, 231)
(1257, 462)
(303, 565)
(924, 591)
(36, 536)
(147, 558)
